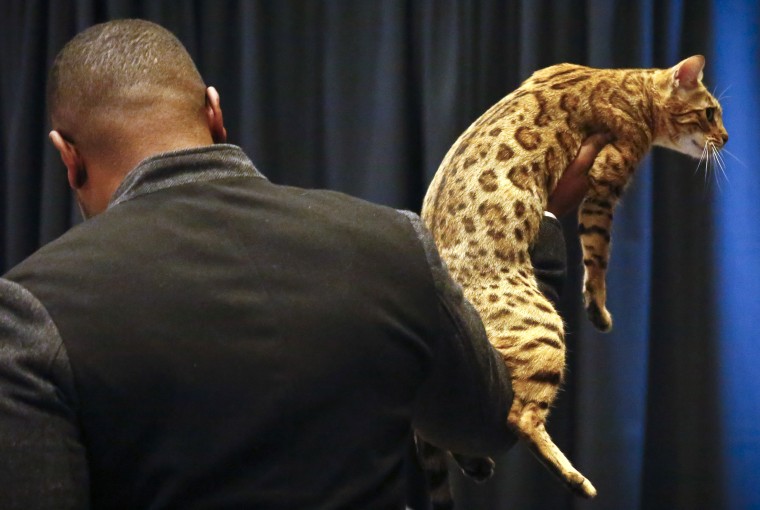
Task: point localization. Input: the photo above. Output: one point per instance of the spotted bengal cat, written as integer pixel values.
(485, 203)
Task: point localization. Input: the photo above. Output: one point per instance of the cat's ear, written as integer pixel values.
(688, 73)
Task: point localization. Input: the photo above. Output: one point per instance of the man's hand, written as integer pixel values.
(574, 183)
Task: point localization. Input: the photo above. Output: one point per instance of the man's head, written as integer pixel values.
(120, 92)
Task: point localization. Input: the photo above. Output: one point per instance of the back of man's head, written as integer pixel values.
(120, 78)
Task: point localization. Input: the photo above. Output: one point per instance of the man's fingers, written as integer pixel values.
(588, 152)
(598, 140)
(574, 183)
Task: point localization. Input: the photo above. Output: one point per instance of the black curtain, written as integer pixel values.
(365, 97)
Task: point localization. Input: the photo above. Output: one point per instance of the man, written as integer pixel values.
(211, 340)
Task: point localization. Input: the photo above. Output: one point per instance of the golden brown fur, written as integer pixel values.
(486, 201)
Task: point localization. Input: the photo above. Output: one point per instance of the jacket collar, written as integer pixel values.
(197, 164)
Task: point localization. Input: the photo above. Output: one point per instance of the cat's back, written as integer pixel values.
(552, 99)
(529, 131)
(556, 71)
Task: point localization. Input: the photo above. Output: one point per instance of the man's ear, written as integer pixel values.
(71, 158)
(214, 116)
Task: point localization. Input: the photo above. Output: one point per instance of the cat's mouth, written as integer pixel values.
(715, 144)
(698, 151)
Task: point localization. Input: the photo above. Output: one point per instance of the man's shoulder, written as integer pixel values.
(334, 198)
(61, 253)
(342, 208)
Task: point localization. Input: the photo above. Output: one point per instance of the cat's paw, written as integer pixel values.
(580, 485)
(599, 317)
(587, 490)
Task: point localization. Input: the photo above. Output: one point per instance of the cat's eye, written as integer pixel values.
(710, 114)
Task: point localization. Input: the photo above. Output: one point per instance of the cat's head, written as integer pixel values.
(688, 118)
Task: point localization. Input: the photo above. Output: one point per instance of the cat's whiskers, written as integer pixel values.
(706, 158)
(711, 164)
(721, 164)
(715, 165)
(722, 95)
(733, 156)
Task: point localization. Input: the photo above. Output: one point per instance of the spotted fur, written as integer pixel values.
(486, 201)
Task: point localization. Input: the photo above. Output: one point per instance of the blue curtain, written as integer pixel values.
(737, 242)
(366, 96)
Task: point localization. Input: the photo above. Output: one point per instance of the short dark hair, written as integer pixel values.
(120, 61)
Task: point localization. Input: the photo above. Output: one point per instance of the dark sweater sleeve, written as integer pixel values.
(463, 404)
(43, 461)
(549, 258)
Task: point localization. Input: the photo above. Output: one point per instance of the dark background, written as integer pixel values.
(366, 96)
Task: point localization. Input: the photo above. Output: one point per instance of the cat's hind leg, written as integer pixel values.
(529, 422)
(532, 343)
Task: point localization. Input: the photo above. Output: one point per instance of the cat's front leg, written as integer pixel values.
(594, 222)
(608, 176)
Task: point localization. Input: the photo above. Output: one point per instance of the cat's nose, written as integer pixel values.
(725, 138)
